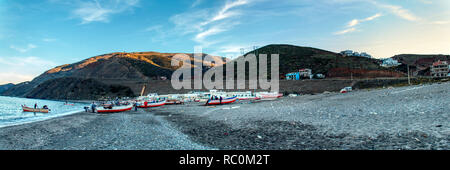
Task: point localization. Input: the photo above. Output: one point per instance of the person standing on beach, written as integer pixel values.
(93, 106)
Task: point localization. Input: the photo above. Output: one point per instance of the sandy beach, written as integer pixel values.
(411, 118)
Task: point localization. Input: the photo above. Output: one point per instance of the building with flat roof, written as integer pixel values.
(440, 69)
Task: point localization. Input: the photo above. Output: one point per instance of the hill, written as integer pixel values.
(109, 69)
(419, 63)
(119, 74)
(5, 87)
(78, 89)
(333, 65)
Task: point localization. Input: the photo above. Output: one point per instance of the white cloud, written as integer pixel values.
(209, 32)
(101, 10)
(399, 11)
(207, 22)
(349, 30)
(23, 49)
(49, 39)
(355, 22)
(196, 3)
(351, 25)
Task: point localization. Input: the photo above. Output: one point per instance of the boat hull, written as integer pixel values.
(224, 101)
(152, 105)
(270, 96)
(115, 110)
(28, 109)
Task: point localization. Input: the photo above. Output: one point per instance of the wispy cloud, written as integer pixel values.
(348, 30)
(358, 21)
(101, 10)
(398, 10)
(208, 22)
(23, 49)
(353, 23)
(49, 39)
(196, 3)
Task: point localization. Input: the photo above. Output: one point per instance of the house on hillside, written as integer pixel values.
(347, 53)
(390, 62)
(440, 69)
(300, 74)
(354, 53)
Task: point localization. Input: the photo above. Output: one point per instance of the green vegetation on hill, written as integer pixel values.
(78, 88)
(292, 58)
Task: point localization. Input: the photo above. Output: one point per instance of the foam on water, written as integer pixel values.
(11, 111)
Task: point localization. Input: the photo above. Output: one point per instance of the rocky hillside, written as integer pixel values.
(5, 87)
(333, 65)
(119, 74)
(419, 64)
(110, 69)
(77, 89)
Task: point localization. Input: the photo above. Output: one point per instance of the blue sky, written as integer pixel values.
(41, 34)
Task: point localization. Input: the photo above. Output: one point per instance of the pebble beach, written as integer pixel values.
(405, 118)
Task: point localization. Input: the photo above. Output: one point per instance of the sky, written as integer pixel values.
(41, 34)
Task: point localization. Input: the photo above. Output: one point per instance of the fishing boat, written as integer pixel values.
(146, 104)
(224, 101)
(249, 98)
(38, 110)
(174, 102)
(269, 96)
(114, 109)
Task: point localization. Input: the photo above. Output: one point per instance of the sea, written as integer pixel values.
(11, 112)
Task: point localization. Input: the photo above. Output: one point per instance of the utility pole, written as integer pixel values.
(409, 79)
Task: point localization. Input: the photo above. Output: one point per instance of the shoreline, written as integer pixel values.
(381, 119)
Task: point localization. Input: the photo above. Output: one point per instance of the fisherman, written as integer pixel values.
(35, 105)
(93, 106)
(220, 99)
(45, 107)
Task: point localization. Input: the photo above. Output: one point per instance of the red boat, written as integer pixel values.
(147, 104)
(29, 109)
(114, 109)
(224, 101)
(249, 98)
(270, 96)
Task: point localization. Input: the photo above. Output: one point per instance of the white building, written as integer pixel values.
(390, 62)
(354, 53)
(347, 53)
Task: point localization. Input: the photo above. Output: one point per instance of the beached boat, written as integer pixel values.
(114, 109)
(149, 104)
(174, 102)
(249, 98)
(39, 110)
(224, 101)
(269, 96)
